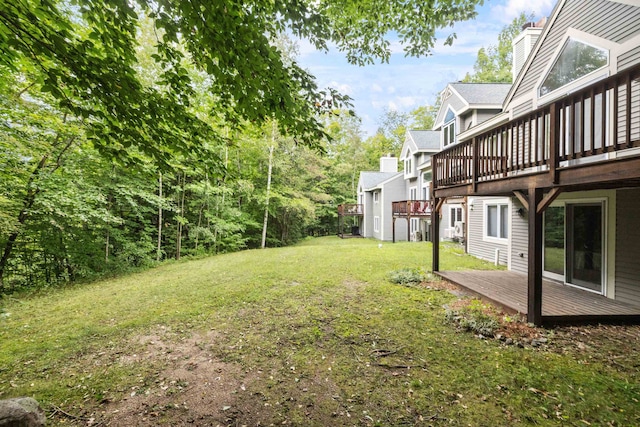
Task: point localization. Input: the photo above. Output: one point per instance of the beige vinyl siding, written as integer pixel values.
(484, 115)
(477, 246)
(629, 59)
(519, 239)
(522, 108)
(612, 21)
(628, 246)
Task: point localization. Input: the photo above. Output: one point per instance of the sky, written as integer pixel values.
(405, 84)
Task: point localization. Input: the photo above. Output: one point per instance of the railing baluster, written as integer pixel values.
(614, 107)
(627, 113)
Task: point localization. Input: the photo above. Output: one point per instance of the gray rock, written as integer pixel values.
(21, 412)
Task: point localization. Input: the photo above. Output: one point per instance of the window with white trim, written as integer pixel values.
(449, 128)
(455, 214)
(496, 220)
(376, 197)
(576, 60)
(376, 224)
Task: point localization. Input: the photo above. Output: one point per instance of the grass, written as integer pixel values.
(314, 334)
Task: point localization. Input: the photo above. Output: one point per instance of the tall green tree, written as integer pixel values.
(493, 63)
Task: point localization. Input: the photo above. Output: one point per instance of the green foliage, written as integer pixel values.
(494, 63)
(406, 276)
(473, 317)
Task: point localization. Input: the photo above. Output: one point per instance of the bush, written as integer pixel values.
(474, 317)
(406, 276)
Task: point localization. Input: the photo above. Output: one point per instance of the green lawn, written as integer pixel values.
(313, 334)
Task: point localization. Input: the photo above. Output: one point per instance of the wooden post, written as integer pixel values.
(435, 236)
(393, 229)
(534, 300)
(554, 141)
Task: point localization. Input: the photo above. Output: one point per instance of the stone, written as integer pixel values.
(21, 412)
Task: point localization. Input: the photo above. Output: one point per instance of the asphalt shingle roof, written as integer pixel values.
(426, 139)
(483, 93)
(372, 179)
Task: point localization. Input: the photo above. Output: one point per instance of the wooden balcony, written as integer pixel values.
(411, 208)
(350, 210)
(587, 139)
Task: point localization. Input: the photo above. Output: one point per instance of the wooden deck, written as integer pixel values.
(560, 304)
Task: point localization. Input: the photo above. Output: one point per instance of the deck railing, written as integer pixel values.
(350, 209)
(411, 208)
(599, 119)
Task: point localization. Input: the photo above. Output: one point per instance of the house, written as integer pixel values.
(376, 193)
(563, 159)
(415, 208)
(464, 106)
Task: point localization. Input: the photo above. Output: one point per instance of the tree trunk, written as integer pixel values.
(266, 207)
(27, 204)
(181, 216)
(159, 249)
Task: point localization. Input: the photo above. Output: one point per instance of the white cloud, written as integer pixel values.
(391, 89)
(341, 87)
(376, 88)
(512, 8)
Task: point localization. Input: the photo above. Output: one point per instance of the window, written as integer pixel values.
(496, 222)
(455, 214)
(376, 224)
(413, 193)
(449, 128)
(576, 60)
(408, 167)
(376, 197)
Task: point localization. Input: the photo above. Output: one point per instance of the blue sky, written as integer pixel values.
(407, 83)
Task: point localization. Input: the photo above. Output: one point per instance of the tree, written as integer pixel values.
(87, 59)
(493, 64)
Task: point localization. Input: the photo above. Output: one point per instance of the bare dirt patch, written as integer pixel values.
(191, 388)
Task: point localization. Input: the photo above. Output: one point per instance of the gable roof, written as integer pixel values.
(461, 97)
(425, 140)
(371, 180)
(482, 93)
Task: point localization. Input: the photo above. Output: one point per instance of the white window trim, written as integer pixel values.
(376, 197)
(453, 210)
(376, 224)
(599, 74)
(485, 206)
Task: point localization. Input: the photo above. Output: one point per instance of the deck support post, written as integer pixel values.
(435, 236)
(534, 299)
(393, 229)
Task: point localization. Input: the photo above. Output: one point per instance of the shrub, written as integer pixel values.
(406, 276)
(474, 317)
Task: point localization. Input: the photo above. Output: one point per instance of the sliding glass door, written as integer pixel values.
(574, 242)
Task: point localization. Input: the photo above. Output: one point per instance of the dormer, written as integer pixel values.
(449, 128)
(409, 163)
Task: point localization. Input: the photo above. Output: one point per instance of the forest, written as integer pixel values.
(132, 133)
(136, 133)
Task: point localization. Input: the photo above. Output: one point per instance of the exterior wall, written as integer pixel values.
(627, 267)
(484, 115)
(393, 191)
(377, 211)
(367, 219)
(519, 230)
(618, 24)
(476, 244)
(452, 101)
